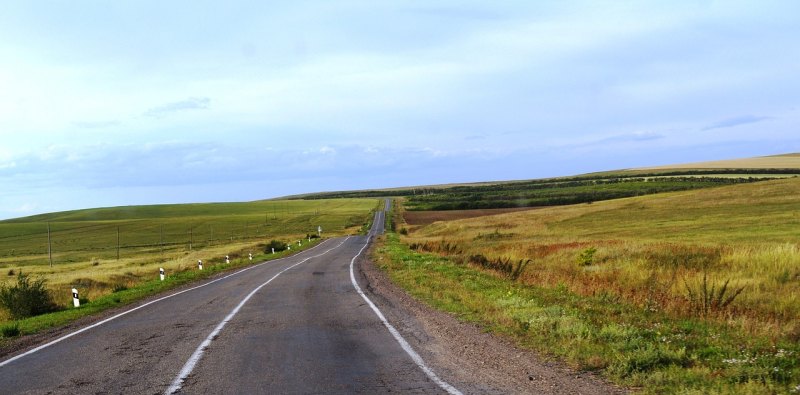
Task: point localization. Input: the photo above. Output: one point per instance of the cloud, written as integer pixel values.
(25, 208)
(736, 121)
(192, 103)
(632, 137)
(95, 124)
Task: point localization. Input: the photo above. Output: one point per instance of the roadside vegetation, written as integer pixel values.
(683, 292)
(84, 249)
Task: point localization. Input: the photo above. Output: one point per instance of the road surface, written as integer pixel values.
(296, 325)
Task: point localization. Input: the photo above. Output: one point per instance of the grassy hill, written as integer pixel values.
(585, 188)
(785, 161)
(681, 292)
(102, 248)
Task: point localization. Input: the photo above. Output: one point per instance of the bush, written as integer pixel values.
(10, 330)
(586, 258)
(277, 245)
(11, 272)
(27, 297)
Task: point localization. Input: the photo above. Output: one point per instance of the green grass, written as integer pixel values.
(84, 245)
(632, 346)
(654, 263)
(143, 289)
(85, 234)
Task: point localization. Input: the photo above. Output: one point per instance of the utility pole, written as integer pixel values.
(49, 245)
(212, 233)
(190, 239)
(117, 242)
(161, 240)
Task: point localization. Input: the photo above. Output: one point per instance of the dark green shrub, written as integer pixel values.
(586, 258)
(277, 245)
(11, 272)
(10, 330)
(404, 231)
(27, 297)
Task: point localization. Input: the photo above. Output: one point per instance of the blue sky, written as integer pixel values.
(117, 103)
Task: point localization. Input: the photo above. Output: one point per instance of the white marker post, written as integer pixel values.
(75, 301)
(200, 264)
(251, 256)
(273, 251)
(161, 273)
(298, 243)
(319, 231)
(227, 259)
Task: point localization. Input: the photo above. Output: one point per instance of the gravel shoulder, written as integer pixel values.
(468, 358)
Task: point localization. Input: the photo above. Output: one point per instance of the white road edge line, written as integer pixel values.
(397, 336)
(95, 325)
(187, 369)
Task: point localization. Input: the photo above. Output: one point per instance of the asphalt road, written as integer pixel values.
(297, 326)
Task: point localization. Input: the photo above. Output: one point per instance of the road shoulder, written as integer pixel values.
(468, 358)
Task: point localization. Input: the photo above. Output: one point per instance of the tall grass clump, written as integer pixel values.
(11, 330)
(706, 298)
(27, 298)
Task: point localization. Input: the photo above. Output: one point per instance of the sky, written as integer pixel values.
(113, 103)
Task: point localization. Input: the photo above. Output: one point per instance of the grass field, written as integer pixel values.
(84, 243)
(786, 161)
(431, 216)
(580, 281)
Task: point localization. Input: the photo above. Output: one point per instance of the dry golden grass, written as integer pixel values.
(788, 161)
(651, 250)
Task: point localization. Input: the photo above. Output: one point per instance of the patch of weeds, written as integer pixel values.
(10, 330)
(494, 236)
(706, 299)
(119, 287)
(510, 268)
(647, 358)
(586, 257)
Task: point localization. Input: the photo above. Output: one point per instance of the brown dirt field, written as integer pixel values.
(429, 217)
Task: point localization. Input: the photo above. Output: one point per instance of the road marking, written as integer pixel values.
(198, 353)
(397, 336)
(43, 346)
